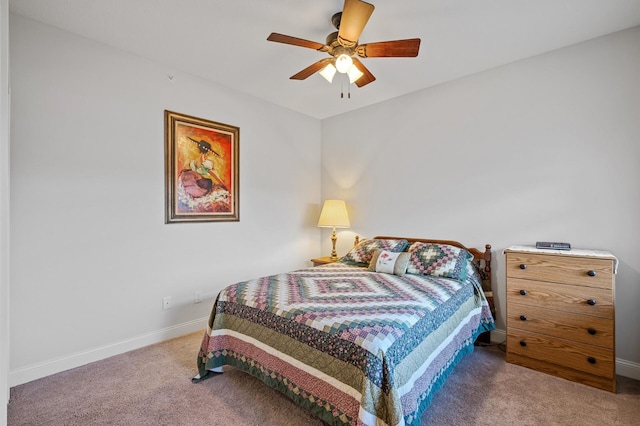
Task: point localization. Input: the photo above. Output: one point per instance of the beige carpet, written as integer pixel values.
(152, 386)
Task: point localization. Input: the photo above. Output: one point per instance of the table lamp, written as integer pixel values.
(334, 215)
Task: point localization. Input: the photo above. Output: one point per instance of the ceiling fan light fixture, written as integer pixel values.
(344, 63)
(328, 72)
(344, 49)
(354, 74)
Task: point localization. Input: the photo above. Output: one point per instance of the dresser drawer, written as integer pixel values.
(569, 298)
(563, 353)
(580, 328)
(583, 271)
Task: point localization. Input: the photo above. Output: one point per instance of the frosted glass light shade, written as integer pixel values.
(328, 72)
(354, 74)
(343, 63)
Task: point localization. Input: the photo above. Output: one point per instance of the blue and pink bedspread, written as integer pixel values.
(351, 345)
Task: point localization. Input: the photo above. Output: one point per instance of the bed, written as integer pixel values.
(366, 340)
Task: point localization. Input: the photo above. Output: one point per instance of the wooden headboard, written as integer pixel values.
(482, 259)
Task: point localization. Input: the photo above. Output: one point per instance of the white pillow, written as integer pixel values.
(389, 262)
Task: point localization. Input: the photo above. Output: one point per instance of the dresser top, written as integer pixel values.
(601, 254)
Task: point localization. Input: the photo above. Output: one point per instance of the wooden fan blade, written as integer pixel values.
(295, 41)
(355, 15)
(367, 77)
(311, 69)
(390, 49)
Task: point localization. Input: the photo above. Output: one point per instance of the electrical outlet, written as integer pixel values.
(166, 302)
(197, 297)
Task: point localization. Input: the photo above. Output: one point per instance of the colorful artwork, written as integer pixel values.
(201, 169)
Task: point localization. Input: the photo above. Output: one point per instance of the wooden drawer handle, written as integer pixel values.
(523, 344)
(523, 317)
(523, 292)
(591, 331)
(523, 266)
(591, 360)
(591, 302)
(591, 273)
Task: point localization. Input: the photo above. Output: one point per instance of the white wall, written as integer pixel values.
(4, 209)
(546, 149)
(91, 255)
(475, 160)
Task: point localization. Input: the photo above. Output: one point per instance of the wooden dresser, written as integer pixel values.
(561, 313)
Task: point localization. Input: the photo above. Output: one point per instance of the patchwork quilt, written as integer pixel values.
(352, 345)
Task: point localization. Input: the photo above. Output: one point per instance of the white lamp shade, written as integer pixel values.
(328, 72)
(334, 214)
(354, 74)
(343, 63)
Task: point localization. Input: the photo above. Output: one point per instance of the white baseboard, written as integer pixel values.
(623, 367)
(627, 369)
(498, 336)
(36, 371)
(47, 368)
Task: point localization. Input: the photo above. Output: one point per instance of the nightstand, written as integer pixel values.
(322, 260)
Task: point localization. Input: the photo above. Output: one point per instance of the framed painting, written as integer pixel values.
(201, 170)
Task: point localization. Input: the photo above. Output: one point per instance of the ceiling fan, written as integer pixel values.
(344, 49)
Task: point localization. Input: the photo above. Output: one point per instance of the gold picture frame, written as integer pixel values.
(201, 170)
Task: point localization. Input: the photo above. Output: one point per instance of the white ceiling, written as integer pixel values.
(225, 41)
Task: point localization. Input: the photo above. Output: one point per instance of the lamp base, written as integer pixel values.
(334, 238)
